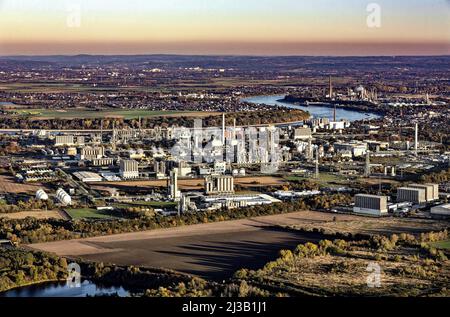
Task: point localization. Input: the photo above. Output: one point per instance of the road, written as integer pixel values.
(213, 250)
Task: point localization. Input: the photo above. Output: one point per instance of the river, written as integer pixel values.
(316, 111)
(61, 289)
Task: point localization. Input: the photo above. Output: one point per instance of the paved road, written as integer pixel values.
(214, 250)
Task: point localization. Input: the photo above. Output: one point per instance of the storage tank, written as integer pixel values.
(41, 195)
(242, 172)
(63, 197)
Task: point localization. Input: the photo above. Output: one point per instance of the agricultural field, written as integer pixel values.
(374, 226)
(34, 214)
(325, 179)
(88, 213)
(143, 204)
(441, 244)
(41, 114)
(9, 185)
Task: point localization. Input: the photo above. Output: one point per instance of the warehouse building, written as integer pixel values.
(303, 133)
(414, 195)
(441, 211)
(88, 177)
(431, 190)
(370, 205)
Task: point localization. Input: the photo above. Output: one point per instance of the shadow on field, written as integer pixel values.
(222, 259)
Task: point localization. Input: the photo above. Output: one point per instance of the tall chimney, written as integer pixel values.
(330, 89)
(223, 128)
(416, 139)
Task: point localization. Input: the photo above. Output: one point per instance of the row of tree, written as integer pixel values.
(31, 230)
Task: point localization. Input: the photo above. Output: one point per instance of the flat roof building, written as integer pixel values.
(441, 210)
(87, 177)
(370, 204)
(431, 190)
(414, 195)
(303, 133)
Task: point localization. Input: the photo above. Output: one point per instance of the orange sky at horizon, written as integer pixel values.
(251, 27)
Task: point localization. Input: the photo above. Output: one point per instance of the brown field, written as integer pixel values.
(112, 114)
(217, 250)
(382, 226)
(35, 214)
(191, 184)
(9, 185)
(375, 181)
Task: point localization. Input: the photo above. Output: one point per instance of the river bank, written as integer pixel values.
(316, 111)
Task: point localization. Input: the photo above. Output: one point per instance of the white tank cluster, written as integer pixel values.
(63, 197)
(41, 195)
(238, 172)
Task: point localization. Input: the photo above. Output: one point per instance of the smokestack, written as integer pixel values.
(330, 89)
(367, 168)
(416, 142)
(317, 163)
(223, 128)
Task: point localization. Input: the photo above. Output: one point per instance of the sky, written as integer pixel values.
(241, 27)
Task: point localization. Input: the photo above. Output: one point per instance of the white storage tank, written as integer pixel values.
(63, 197)
(41, 195)
(242, 172)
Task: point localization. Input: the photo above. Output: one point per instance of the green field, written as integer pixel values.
(152, 204)
(441, 244)
(88, 213)
(91, 114)
(325, 179)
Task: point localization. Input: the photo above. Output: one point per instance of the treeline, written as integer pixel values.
(31, 204)
(277, 115)
(19, 268)
(437, 177)
(31, 230)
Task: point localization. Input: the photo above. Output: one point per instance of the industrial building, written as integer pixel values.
(105, 161)
(129, 169)
(237, 201)
(356, 148)
(41, 195)
(63, 197)
(370, 204)
(303, 133)
(219, 184)
(441, 211)
(431, 190)
(68, 140)
(172, 186)
(414, 195)
(90, 153)
(87, 177)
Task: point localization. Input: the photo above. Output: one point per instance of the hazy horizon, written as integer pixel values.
(224, 27)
